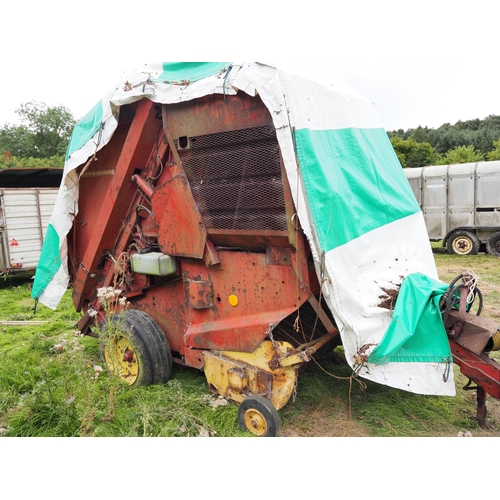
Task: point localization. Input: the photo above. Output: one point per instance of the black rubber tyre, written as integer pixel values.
(139, 353)
(257, 415)
(493, 244)
(463, 243)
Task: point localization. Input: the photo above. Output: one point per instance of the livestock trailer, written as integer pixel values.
(27, 199)
(236, 218)
(461, 204)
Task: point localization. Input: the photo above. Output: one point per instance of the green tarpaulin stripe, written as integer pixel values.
(85, 129)
(416, 332)
(48, 264)
(190, 71)
(353, 181)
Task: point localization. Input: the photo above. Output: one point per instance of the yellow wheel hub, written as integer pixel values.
(122, 360)
(255, 422)
(462, 245)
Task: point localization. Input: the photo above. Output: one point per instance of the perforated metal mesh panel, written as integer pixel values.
(235, 178)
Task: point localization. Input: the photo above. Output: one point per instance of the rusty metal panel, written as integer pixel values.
(181, 231)
(235, 179)
(265, 295)
(221, 298)
(278, 256)
(210, 257)
(102, 213)
(199, 294)
(216, 113)
(230, 154)
(475, 331)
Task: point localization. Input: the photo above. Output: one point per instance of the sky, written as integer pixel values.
(428, 63)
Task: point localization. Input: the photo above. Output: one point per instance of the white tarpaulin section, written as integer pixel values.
(365, 229)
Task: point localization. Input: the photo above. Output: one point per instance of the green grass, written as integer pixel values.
(51, 384)
(332, 404)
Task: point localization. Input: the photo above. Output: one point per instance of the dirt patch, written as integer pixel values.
(320, 423)
(491, 428)
(388, 299)
(492, 312)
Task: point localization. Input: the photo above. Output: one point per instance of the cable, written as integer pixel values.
(138, 226)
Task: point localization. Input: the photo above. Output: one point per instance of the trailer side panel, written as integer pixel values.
(25, 214)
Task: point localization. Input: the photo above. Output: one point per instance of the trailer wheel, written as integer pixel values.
(136, 349)
(257, 415)
(493, 244)
(463, 243)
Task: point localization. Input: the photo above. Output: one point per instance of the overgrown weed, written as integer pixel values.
(54, 383)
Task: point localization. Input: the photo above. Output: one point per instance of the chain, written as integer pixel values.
(277, 347)
(271, 338)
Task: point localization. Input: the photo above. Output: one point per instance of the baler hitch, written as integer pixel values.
(471, 339)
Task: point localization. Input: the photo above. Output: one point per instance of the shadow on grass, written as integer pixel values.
(18, 279)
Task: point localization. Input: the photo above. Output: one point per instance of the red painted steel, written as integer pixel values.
(105, 199)
(137, 197)
(482, 370)
(181, 231)
(214, 114)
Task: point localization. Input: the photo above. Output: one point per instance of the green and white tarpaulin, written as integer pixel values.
(364, 226)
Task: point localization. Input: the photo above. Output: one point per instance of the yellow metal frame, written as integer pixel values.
(236, 375)
(269, 371)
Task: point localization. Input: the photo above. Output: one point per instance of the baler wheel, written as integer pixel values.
(257, 415)
(136, 349)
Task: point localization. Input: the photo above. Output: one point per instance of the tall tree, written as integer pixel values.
(476, 132)
(461, 154)
(414, 154)
(44, 131)
(494, 154)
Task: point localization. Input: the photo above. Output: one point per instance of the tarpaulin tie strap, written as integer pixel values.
(224, 82)
(447, 371)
